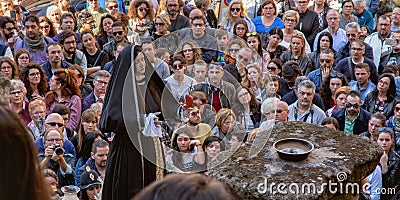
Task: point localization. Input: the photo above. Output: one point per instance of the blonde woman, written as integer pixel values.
(297, 52)
(234, 12)
(161, 23)
(290, 19)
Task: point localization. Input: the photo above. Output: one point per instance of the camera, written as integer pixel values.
(58, 149)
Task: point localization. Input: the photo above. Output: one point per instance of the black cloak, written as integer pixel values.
(134, 160)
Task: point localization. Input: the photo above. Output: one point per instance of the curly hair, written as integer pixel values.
(53, 31)
(132, 13)
(325, 91)
(14, 67)
(102, 33)
(197, 54)
(68, 80)
(42, 86)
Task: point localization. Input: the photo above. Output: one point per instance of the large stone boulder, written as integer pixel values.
(338, 159)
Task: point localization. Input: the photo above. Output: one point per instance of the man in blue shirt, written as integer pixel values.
(364, 16)
(362, 84)
(326, 60)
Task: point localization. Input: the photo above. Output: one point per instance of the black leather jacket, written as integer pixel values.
(370, 102)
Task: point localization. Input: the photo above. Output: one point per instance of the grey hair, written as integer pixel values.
(299, 80)
(363, 3)
(102, 73)
(307, 84)
(17, 84)
(353, 25)
(268, 104)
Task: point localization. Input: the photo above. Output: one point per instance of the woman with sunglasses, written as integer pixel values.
(382, 98)
(329, 87)
(268, 20)
(394, 123)
(65, 90)
(161, 24)
(325, 41)
(273, 47)
(297, 52)
(389, 162)
(178, 82)
(247, 110)
(141, 18)
(46, 26)
(340, 100)
(290, 19)
(35, 81)
(254, 41)
(275, 67)
(235, 11)
(84, 88)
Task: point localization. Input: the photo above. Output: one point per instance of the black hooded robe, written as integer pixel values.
(132, 157)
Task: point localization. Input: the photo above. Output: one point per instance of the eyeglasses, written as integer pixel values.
(198, 25)
(111, 7)
(45, 27)
(302, 2)
(178, 66)
(268, 8)
(6, 68)
(241, 28)
(54, 140)
(352, 35)
(385, 129)
(143, 9)
(55, 124)
(291, 20)
(235, 9)
(35, 74)
(159, 24)
(16, 93)
(102, 82)
(118, 33)
(23, 58)
(336, 75)
(397, 108)
(251, 34)
(272, 69)
(325, 60)
(349, 105)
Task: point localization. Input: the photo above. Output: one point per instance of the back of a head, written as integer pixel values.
(21, 177)
(185, 187)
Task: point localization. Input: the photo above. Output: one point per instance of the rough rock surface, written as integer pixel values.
(335, 156)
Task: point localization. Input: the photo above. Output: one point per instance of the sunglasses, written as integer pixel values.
(272, 68)
(118, 33)
(10, 29)
(251, 34)
(349, 105)
(397, 108)
(338, 75)
(45, 27)
(159, 24)
(195, 113)
(55, 124)
(143, 9)
(325, 60)
(275, 111)
(111, 7)
(178, 67)
(385, 129)
(235, 9)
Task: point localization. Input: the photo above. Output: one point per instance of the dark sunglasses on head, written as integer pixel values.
(118, 33)
(349, 105)
(385, 129)
(336, 75)
(235, 9)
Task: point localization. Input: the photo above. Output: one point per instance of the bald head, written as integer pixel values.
(196, 13)
(282, 112)
(55, 120)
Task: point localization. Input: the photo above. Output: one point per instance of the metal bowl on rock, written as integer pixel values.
(293, 149)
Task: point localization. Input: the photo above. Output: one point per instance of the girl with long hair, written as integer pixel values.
(235, 11)
(263, 57)
(297, 52)
(141, 18)
(247, 110)
(329, 87)
(325, 41)
(65, 90)
(35, 81)
(105, 34)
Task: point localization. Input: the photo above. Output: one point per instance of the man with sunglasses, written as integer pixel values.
(352, 119)
(353, 31)
(120, 32)
(326, 60)
(346, 65)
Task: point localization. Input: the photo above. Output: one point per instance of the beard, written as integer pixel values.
(193, 122)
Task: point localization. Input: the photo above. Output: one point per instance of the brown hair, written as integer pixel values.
(132, 13)
(87, 116)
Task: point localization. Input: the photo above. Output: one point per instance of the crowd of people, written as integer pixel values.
(228, 77)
